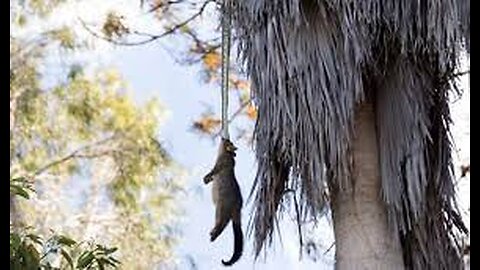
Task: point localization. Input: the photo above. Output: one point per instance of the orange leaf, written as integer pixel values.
(251, 112)
(212, 60)
(207, 124)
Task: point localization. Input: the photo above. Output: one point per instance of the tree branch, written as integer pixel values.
(75, 154)
(151, 37)
(328, 249)
(163, 4)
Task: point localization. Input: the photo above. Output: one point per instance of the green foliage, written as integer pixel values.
(113, 26)
(20, 187)
(97, 258)
(23, 12)
(85, 127)
(28, 250)
(64, 36)
(23, 251)
(183, 21)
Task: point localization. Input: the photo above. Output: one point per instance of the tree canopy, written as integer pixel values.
(80, 127)
(86, 160)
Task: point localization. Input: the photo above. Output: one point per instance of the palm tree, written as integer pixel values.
(353, 115)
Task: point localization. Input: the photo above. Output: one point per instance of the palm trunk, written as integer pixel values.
(363, 238)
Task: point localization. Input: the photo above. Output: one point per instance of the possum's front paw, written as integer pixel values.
(207, 178)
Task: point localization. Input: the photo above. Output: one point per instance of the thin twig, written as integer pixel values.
(328, 249)
(163, 4)
(151, 37)
(75, 154)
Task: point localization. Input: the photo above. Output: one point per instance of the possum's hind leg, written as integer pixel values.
(222, 217)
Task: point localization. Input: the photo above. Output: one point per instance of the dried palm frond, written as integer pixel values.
(311, 62)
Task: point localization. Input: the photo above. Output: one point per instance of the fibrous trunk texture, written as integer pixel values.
(311, 62)
(363, 239)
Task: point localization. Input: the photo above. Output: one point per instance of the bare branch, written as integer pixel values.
(163, 4)
(328, 249)
(75, 154)
(150, 37)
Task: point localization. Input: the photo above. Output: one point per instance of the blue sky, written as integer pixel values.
(152, 72)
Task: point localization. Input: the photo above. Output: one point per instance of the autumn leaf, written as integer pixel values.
(113, 26)
(251, 111)
(243, 85)
(206, 124)
(212, 61)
